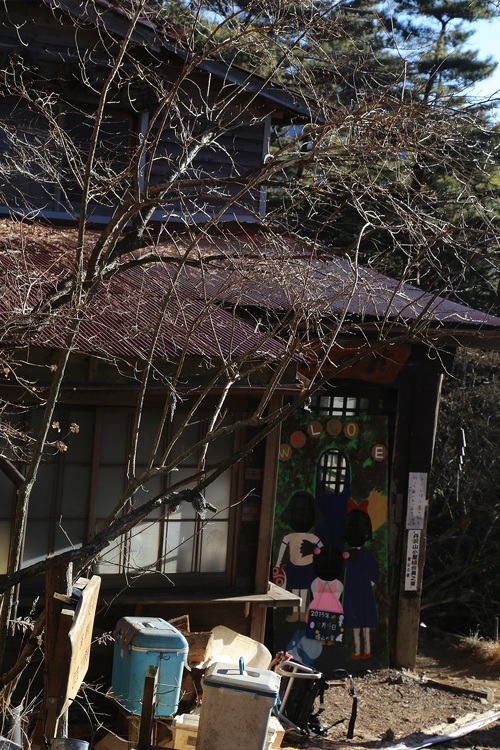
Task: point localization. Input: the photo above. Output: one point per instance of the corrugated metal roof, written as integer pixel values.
(125, 312)
(257, 271)
(334, 285)
(225, 273)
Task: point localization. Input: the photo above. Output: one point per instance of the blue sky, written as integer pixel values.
(487, 41)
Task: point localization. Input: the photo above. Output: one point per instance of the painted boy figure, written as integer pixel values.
(298, 549)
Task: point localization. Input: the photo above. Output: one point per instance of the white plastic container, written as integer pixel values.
(185, 731)
(185, 728)
(236, 707)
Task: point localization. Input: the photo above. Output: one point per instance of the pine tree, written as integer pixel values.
(433, 36)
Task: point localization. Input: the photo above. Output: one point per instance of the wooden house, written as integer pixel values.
(217, 572)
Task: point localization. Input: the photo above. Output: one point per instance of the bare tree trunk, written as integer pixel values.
(9, 603)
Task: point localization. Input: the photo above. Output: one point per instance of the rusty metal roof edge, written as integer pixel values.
(470, 337)
(483, 331)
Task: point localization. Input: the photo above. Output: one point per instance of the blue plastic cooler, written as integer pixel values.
(141, 642)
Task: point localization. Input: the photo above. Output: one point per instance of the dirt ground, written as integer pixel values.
(397, 707)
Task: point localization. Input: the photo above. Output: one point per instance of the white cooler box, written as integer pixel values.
(186, 732)
(236, 707)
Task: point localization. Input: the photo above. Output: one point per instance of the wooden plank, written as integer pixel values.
(442, 733)
(280, 596)
(181, 623)
(72, 654)
(57, 580)
(55, 703)
(258, 623)
(274, 597)
(487, 694)
(80, 637)
(148, 706)
(266, 521)
(200, 645)
(398, 473)
(112, 741)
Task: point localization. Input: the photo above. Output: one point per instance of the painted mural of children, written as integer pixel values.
(361, 575)
(332, 490)
(297, 549)
(303, 649)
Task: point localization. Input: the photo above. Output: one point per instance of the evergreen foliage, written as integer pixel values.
(460, 593)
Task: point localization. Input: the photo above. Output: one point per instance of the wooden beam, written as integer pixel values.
(482, 693)
(274, 597)
(266, 521)
(11, 472)
(258, 623)
(57, 592)
(487, 694)
(414, 445)
(148, 707)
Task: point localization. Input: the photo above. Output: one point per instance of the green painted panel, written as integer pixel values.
(330, 541)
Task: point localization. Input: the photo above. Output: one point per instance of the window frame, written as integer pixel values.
(60, 461)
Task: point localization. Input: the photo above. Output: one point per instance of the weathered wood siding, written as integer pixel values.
(207, 134)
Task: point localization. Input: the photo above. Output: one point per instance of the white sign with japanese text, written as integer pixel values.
(417, 499)
(412, 556)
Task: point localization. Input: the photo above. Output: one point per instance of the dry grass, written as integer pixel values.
(485, 652)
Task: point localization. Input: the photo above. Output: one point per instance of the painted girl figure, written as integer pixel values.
(361, 575)
(325, 616)
(297, 549)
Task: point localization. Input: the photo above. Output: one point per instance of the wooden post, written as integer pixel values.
(148, 706)
(414, 440)
(57, 580)
(266, 523)
(57, 675)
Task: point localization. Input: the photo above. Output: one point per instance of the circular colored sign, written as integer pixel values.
(285, 452)
(334, 427)
(379, 452)
(315, 429)
(298, 439)
(351, 430)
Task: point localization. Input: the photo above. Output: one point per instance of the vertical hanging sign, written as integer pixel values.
(417, 500)
(415, 516)
(412, 557)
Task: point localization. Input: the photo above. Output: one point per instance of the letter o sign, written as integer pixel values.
(351, 430)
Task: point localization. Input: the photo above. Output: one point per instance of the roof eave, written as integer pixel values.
(146, 35)
(447, 337)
